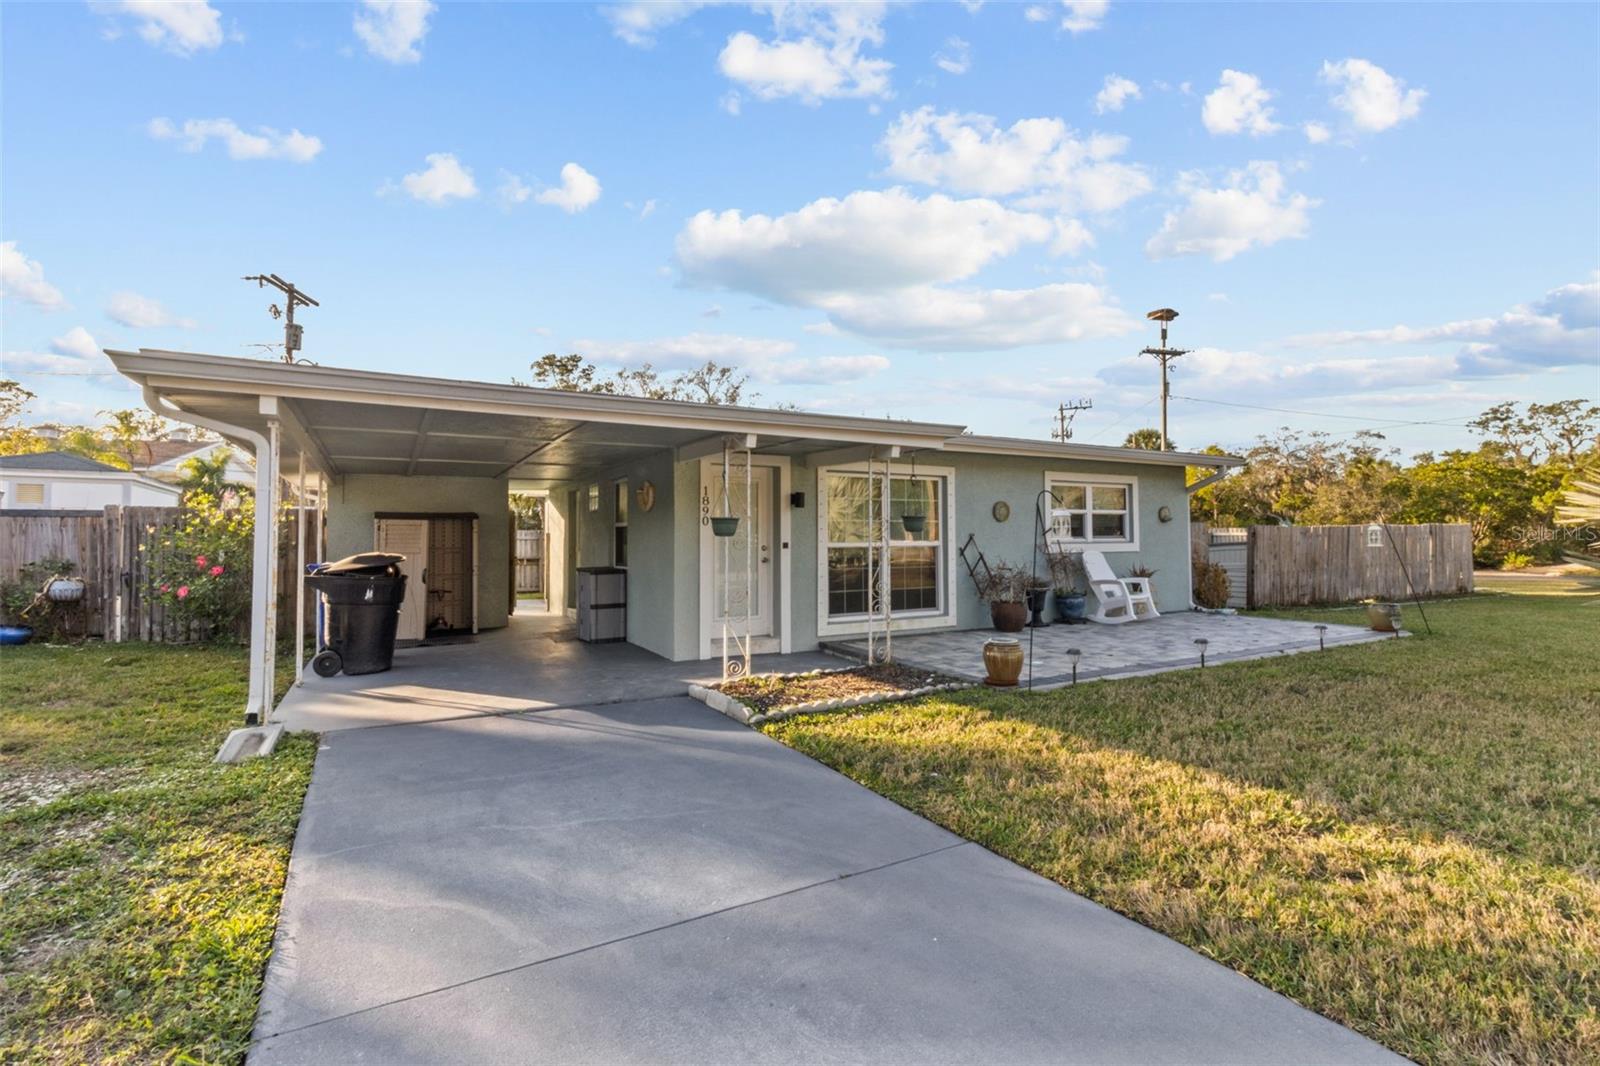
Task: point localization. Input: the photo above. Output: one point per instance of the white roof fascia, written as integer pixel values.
(983, 445)
(168, 371)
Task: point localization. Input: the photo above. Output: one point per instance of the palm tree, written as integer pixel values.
(1580, 506)
(208, 473)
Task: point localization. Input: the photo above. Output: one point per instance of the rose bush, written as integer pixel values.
(201, 568)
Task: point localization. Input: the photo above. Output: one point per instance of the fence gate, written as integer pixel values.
(530, 561)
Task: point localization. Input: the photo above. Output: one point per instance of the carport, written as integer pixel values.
(354, 440)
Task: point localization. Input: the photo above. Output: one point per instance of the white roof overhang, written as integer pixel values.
(366, 422)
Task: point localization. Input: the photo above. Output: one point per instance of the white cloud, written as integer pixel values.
(578, 190)
(265, 143)
(1038, 156)
(1317, 132)
(867, 241)
(731, 102)
(939, 318)
(1560, 329)
(955, 57)
(443, 180)
(647, 209)
(1116, 92)
(826, 370)
(141, 312)
(1238, 105)
(821, 329)
(637, 23)
(815, 53)
(1251, 210)
(393, 30)
(1077, 16)
(182, 27)
(1374, 99)
(77, 343)
(24, 278)
(881, 264)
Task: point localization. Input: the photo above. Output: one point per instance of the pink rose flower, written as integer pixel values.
(166, 588)
(216, 571)
(183, 591)
(200, 562)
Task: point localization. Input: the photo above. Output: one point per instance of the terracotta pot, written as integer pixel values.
(1009, 617)
(1002, 659)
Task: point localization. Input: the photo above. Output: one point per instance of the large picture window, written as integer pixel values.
(1093, 512)
(916, 557)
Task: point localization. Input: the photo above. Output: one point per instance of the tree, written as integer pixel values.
(1543, 432)
(710, 383)
(131, 432)
(208, 474)
(1147, 438)
(1489, 490)
(16, 439)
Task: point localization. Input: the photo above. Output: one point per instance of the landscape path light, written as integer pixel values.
(1074, 654)
(1322, 633)
(1202, 641)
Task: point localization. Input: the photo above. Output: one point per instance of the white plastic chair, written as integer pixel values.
(1117, 599)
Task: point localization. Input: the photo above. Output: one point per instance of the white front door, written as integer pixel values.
(409, 537)
(743, 554)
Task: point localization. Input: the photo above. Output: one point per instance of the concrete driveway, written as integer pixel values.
(649, 882)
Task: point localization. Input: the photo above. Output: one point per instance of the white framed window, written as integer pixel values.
(1097, 511)
(619, 527)
(919, 560)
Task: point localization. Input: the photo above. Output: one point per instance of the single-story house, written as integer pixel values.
(64, 481)
(164, 459)
(635, 483)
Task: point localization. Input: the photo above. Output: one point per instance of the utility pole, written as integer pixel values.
(292, 334)
(1164, 356)
(1064, 416)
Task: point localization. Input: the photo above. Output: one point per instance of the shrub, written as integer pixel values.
(1516, 561)
(201, 568)
(1211, 584)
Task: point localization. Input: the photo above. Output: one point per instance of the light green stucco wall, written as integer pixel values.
(355, 499)
(979, 481)
(652, 550)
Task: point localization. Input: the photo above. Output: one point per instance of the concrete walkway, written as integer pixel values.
(647, 881)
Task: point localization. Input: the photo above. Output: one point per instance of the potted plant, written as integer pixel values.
(1005, 590)
(1038, 589)
(1072, 603)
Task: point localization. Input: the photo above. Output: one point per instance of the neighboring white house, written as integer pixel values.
(164, 459)
(62, 481)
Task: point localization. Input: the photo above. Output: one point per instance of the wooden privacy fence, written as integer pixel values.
(114, 551)
(530, 560)
(1292, 566)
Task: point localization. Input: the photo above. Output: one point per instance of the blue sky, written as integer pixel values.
(1376, 214)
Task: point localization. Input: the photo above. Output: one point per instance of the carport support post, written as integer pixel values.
(263, 573)
(300, 576)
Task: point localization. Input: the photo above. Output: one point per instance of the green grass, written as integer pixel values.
(1403, 836)
(139, 883)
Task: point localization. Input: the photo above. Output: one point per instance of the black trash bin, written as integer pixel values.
(361, 598)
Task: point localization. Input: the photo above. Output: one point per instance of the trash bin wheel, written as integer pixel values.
(326, 663)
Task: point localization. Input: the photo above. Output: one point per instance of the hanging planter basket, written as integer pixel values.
(64, 590)
(725, 525)
(914, 523)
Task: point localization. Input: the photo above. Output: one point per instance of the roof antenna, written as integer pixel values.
(292, 333)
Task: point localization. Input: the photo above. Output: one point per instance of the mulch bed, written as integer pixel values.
(771, 693)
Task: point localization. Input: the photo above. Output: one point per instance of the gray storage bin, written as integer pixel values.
(602, 604)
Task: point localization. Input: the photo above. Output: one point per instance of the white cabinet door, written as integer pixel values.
(409, 537)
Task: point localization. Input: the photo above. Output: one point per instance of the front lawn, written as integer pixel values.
(1403, 836)
(139, 883)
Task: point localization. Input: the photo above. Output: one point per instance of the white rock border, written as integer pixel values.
(741, 712)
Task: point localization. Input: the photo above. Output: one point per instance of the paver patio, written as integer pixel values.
(1127, 650)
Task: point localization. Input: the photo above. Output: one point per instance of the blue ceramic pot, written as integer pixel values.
(1071, 608)
(15, 634)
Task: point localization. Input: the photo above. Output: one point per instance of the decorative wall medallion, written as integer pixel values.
(645, 494)
(1001, 511)
(1165, 514)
